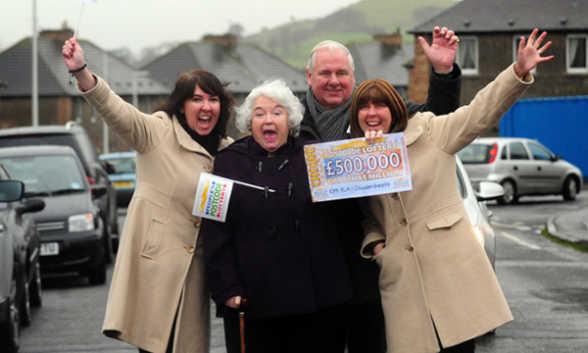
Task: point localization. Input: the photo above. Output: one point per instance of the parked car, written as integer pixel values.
(123, 176)
(522, 166)
(71, 228)
(474, 201)
(75, 136)
(20, 276)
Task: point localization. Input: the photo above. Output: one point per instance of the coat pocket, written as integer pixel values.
(152, 239)
(443, 220)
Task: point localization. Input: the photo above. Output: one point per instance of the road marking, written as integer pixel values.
(519, 241)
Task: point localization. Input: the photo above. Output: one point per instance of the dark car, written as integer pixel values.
(75, 136)
(20, 277)
(71, 228)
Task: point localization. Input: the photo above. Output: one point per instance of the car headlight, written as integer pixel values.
(81, 222)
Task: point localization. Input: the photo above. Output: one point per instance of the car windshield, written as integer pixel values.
(48, 174)
(123, 165)
(475, 153)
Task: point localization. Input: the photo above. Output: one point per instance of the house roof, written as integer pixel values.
(54, 79)
(242, 65)
(474, 16)
(379, 60)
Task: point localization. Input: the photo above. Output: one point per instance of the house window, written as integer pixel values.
(515, 49)
(576, 53)
(467, 55)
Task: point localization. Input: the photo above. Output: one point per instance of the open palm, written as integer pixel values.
(530, 51)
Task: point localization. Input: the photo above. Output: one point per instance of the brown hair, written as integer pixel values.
(378, 91)
(209, 83)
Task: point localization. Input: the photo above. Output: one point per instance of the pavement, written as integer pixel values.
(571, 226)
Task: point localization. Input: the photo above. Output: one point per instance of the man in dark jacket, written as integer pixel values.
(331, 82)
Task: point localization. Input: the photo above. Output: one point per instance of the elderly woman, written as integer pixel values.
(158, 299)
(276, 249)
(438, 288)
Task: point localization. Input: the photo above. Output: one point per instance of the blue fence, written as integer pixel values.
(561, 124)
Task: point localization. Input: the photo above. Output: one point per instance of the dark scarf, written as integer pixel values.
(210, 142)
(331, 124)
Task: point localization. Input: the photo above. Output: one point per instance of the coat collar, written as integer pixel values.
(412, 133)
(186, 141)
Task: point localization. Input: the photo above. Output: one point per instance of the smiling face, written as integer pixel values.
(374, 116)
(202, 111)
(331, 78)
(269, 124)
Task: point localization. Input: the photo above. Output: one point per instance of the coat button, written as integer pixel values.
(410, 248)
(395, 196)
(208, 168)
(403, 222)
(197, 223)
(189, 249)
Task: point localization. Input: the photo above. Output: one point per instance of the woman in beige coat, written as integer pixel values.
(158, 298)
(438, 288)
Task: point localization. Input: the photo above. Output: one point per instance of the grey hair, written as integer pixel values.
(278, 91)
(331, 45)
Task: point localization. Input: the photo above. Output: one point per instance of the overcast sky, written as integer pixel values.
(135, 24)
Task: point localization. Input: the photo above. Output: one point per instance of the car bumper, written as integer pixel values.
(77, 252)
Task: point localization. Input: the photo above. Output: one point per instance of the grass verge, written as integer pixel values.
(580, 246)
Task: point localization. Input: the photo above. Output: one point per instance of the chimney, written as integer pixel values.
(392, 39)
(389, 43)
(226, 40)
(62, 34)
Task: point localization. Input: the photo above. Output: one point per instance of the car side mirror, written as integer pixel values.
(98, 191)
(31, 205)
(555, 158)
(11, 190)
(488, 190)
(110, 169)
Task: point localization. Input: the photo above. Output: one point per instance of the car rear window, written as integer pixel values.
(475, 153)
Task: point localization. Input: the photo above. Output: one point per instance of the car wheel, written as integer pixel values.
(36, 287)
(510, 193)
(570, 189)
(25, 305)
(97, 275)
(10, 330)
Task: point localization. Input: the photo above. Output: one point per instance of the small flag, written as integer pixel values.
(212, 197)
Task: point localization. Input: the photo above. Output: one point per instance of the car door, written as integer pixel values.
(549, 175)
(520, 166)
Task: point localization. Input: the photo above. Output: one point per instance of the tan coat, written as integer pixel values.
(433, 269)
(159, 267)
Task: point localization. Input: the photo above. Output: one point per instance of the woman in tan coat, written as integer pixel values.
(438, 289)
(158, 298)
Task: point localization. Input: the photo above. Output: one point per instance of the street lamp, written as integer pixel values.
(35, 86)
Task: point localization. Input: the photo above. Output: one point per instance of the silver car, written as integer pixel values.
(475, 205)
(522, 166)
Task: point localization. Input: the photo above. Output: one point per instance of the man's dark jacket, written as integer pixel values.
(443, 98)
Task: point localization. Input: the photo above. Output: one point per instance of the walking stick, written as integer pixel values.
(242, 323)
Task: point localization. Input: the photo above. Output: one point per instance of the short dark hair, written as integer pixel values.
(378, 91)
(209, 83)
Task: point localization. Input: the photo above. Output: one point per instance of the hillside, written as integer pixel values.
(358, 22)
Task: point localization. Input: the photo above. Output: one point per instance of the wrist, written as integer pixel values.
(443, 69)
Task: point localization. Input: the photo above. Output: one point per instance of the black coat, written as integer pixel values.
(279, 250)
(443, 98)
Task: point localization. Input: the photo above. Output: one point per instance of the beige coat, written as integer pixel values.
(159, 267)
(433, 269)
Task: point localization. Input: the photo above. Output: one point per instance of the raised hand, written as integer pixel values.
(73, 57)
(441, 52)
(529, 53)
(73, 54)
